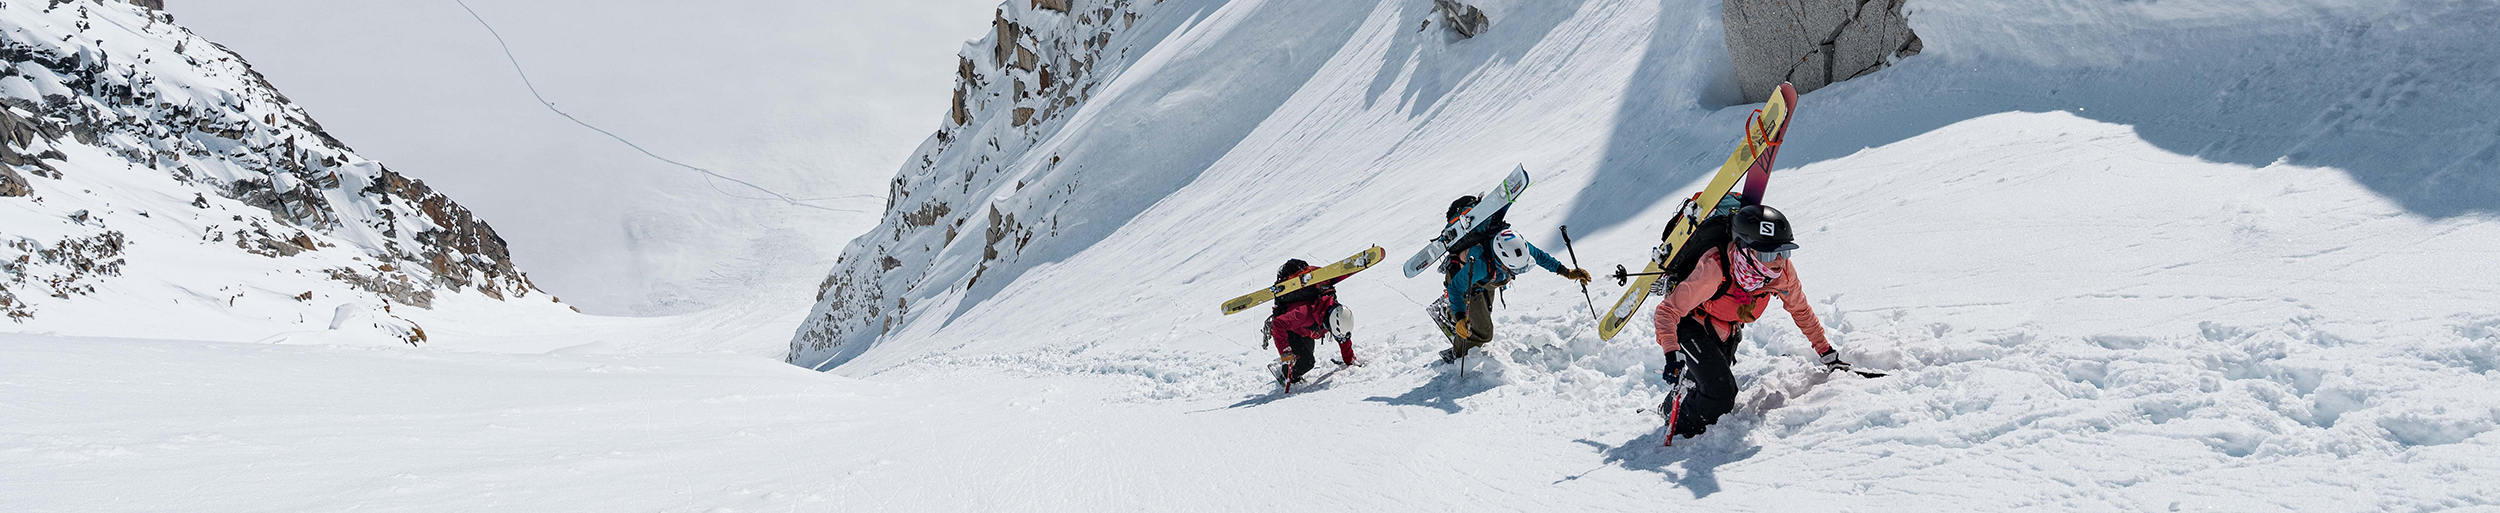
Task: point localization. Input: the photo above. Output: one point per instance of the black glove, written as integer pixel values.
(1674, 368)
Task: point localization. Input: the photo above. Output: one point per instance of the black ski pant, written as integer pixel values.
(1302, 357)
(1711, 369)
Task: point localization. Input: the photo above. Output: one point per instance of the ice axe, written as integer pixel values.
(1575, 264)
(1624, 277)
(1853, 369)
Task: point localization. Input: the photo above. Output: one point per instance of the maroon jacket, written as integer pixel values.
(1302, 317)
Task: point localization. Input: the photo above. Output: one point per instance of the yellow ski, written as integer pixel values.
(1350, 265)
(1763, 134)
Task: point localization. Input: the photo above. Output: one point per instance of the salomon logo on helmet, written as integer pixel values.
(1772, 232)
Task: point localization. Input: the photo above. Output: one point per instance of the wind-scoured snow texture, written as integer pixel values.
(2118, 255)
(165, 189)
(1270, 117)
(1813, 43)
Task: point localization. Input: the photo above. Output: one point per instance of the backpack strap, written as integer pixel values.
(1727, 280)
(1727, 272)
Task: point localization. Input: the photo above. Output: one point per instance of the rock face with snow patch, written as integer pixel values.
(1464, 20)
(133, 146)
(1812, 43)
(952, 214)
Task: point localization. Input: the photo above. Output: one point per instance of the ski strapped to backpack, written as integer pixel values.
(1763, 134)
(1482, 235)
(1715, 231)
(1464, 222)
(1343, 268)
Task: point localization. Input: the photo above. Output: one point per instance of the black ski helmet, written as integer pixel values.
(1292, 267)
(1765, 229)
(1460, 206)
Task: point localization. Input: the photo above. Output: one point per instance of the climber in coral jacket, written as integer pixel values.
(1704, 316)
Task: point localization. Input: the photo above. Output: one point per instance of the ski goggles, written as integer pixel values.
(1770, 256)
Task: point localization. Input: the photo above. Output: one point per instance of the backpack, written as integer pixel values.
(1483, 234)
(1292, 268)
(1718, 230)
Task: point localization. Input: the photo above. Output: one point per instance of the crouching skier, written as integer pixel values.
(1304, 316)
(1703, 317)
(1479, 266)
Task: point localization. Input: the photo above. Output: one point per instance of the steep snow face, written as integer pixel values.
(1184, 178)
(162, 175)
(2206, 238)
(992, 173)
(1228, 136)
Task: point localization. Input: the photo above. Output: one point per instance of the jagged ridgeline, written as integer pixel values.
(1013, 88)
(153, 177)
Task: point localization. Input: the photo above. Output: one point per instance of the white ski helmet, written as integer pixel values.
(1340, 322)
(1512, 251)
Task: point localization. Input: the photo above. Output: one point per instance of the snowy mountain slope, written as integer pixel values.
(174, 193)
(1182, 114)
(2395, 94)
(2256, 259)
(2226, 397)
(2079, 313)
(1015, 91)
(1370, 147)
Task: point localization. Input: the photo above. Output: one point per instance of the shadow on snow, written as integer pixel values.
(1700, 457)
(2402, 117)
(1442, 392)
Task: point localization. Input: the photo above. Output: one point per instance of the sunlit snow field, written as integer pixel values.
(2163, 256)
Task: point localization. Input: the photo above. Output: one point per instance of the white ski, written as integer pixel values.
(1486, 205)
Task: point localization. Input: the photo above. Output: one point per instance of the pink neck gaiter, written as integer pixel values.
(1749, 274)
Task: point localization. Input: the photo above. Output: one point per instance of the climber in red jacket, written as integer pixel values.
(1304, 316)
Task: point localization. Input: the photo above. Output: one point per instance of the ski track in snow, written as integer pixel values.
(2076, 316)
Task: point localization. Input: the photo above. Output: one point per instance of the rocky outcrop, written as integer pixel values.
(1464, 20)
(62, 270)
(1040, 60)
(124, 90)
(1812, 43)
(13, 185)
(19, 141)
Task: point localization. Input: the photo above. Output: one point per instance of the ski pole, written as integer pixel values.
(1575, 264)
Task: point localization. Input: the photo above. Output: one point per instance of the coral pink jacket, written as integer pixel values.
(1739, 306)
